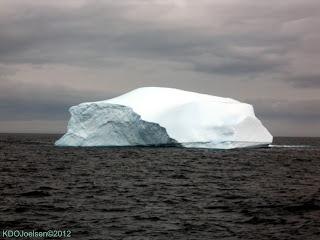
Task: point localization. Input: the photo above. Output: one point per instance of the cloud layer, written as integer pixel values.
(55, 54)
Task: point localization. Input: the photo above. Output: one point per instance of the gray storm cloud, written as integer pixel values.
(55, 54)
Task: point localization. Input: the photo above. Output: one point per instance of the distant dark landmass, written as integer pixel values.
(161, 193)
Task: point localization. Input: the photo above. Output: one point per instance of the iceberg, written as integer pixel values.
(165, 116)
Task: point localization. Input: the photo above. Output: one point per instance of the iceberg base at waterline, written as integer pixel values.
(154, 116)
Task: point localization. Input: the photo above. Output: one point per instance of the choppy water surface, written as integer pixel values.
(161, 193)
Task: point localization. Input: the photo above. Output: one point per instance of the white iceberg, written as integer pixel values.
(161, 116)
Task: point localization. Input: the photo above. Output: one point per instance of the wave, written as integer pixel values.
(289, 146)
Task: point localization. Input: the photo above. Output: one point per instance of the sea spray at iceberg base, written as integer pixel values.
(165, 116)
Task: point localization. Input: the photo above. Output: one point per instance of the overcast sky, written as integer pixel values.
(54, 54)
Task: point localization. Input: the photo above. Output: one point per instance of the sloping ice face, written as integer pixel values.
(161, 116)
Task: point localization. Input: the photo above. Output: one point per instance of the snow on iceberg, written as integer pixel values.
(159, 116)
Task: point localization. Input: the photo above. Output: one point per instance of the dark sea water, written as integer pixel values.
(161, 193)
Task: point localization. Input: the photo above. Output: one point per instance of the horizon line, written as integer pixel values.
(59, 133)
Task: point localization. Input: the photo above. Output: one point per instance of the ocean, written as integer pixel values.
(160, 193)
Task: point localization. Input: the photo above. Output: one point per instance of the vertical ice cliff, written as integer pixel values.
(111, 125)
(156, 116)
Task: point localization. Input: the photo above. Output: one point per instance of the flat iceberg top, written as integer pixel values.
(152, 101)
(189, 118)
